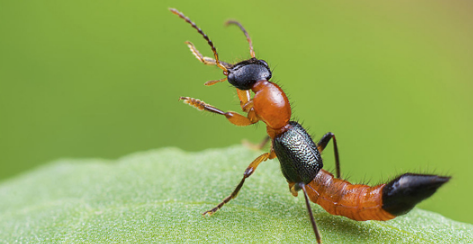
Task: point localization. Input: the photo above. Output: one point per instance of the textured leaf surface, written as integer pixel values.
(158, 196)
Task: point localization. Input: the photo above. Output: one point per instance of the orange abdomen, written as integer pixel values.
(340, 197)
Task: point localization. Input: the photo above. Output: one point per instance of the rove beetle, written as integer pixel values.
(300, 159)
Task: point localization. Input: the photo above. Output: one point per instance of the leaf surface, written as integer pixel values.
(159, 196)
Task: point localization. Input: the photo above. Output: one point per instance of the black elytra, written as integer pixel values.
(245, 74)
(298, 155)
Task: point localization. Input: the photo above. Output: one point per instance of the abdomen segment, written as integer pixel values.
(381, 202)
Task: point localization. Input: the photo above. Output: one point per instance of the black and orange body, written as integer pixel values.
(299, 156)
(381, 202)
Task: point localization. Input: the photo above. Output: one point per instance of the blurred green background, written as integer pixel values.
(392, 80)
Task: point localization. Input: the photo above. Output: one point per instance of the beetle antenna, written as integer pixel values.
(182, 16)
(252, 51)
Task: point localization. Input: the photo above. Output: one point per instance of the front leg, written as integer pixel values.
(207, 61)
(234, 117)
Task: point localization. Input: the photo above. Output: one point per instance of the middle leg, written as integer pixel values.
(248, 172)
(258, 146)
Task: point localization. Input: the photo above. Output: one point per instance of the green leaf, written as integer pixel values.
(159, 196)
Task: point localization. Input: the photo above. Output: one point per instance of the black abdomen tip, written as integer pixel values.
(403, 193)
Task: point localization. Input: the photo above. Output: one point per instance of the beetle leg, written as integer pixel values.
(234, 117)
(323, 143)
(248, 172)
